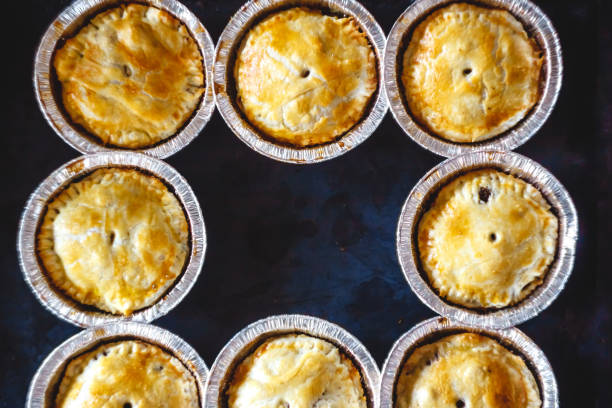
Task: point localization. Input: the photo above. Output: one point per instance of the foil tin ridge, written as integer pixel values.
(61, 123)
(42, 386)
(511, 338)
(537, 24)
(248, 338)
(85, 316)
(558, 272)
(238, 25)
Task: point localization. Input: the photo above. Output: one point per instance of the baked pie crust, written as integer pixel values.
(128, 373)
(116, 240)
(132, 76)
(303, 77)
(297, 371)
(466, 370)
(487, 240)
(470, 73)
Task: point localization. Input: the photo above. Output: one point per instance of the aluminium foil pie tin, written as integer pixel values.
(45, 382)
(249, 14)
(83, 315)
(249, 338)
(537, 25)
(433, 329)
(48, 94)
(523, 168)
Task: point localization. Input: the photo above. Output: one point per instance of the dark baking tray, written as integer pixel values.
(320, 239)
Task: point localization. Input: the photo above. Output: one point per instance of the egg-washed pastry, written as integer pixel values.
(131, 77)
(470, 73)
(296, 371)
(127, 374)
(487, 240)
(466, 370)
(304, 77)
(116, 240)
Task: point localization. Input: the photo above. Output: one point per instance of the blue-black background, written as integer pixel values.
(320, 239)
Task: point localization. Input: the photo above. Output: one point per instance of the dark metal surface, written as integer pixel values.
(320, 239)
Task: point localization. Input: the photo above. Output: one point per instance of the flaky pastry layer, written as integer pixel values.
(296, 371)
(132, 76)
(116, 240)
(466, 370)
(127, 373)
(488, 239)
(303, 77)
(470, 73)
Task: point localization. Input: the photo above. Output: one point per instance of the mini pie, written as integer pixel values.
(116, 240)
(296, 371)
(466, 370)
(470, 73)
(127, 374)
(131, 77)
(303, 77)
(487, 240)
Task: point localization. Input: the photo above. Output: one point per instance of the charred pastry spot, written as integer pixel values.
(111, 237)
(460, 404)
(127, 71)
(432, 360)
(127, 405)
(467, 71)
(483, 194)
(305, 73)
(492, 237)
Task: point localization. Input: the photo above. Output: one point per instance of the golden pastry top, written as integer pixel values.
(303, 77)
(116, 240)
(466, 370)
(127, 373)
(296, 371)
(487, 240)
(132, 76)
(470, 73)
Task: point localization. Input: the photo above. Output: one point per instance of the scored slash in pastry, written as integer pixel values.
(303, 77)
(131, 77)
(466, 370)
(487, 240)
(296, 371)
(470, 73)
(127, 374)
(116, 240)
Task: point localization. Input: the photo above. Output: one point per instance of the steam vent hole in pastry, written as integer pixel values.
(304, 78)
(131, 77)
(466, 370)
(296, 371)
(487, 240)
(127, 374)
(117, 239)
(470, 73)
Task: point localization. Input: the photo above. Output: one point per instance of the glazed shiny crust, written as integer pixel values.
(131, 77)
(466, 370)
(116, 240)
(488, 239)
(128, 373)
(296, 371)
(303, 77)
(470, 73)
